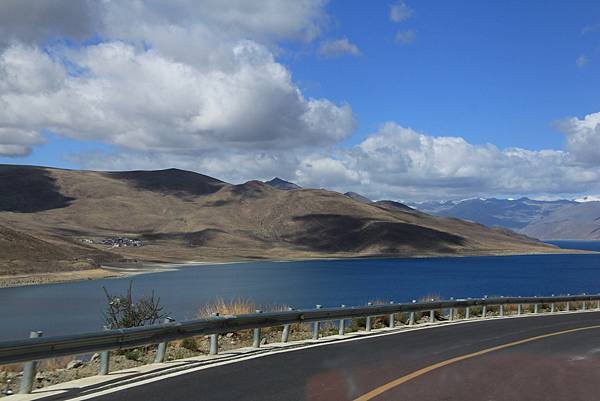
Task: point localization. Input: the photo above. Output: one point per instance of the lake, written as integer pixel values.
(77, 307)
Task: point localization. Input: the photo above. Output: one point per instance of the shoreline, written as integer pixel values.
(123, 270)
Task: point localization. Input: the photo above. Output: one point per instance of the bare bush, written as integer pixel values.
(123, 311)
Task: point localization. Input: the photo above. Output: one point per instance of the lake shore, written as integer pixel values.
(128, 269)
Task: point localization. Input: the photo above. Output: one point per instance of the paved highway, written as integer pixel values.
(552, 357)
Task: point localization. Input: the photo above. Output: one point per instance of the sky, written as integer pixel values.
(405, 100)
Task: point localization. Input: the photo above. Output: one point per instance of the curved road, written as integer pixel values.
(551, 357)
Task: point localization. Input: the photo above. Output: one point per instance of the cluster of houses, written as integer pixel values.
(116, 242)
(122, 242)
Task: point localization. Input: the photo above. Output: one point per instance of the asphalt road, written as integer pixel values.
(560, 366)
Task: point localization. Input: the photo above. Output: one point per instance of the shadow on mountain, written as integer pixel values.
(192, 239)
(171, 181)
(339, 233)
(29, 190)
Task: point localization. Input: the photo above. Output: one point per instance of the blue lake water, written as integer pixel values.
(77, 307)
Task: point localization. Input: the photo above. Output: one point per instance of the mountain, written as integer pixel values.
(358, 197)
(580, 221)
(559, 219)
(282, 184)
(183, 216)
(510, 213)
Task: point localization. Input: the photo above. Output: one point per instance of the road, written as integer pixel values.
(552, 357)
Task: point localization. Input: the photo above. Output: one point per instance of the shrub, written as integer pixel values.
(190, 344)
(133, 354)
(122, 311)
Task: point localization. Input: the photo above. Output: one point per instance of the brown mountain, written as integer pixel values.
(184, 216)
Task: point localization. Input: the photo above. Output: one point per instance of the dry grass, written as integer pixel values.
(56, 363)
(240, 306)
(15, 368)
(236, 307)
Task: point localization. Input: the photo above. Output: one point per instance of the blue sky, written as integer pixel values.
(400, 99)
(499, 72)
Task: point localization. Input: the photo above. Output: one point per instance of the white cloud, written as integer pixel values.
(34, 21)
(400, 163)
(583, 138)
(399, 12)
(182, 78)
(15, 142)
(405, 37)
(338, 47)
(581, 61)
(392, 163)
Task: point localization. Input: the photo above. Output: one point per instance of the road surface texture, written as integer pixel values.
(552, 357)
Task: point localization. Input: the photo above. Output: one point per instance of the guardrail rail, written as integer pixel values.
(38, 347)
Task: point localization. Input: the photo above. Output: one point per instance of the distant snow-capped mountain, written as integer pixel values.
(543, 219)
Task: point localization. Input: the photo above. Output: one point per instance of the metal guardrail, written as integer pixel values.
(37, 347)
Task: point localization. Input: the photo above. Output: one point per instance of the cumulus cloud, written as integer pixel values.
(394, 162)
(34, 21)
(400, 163)
(583, 138)
(338, 47)
(15, 142)
(405, 37)
(182, 78)
(399, 12)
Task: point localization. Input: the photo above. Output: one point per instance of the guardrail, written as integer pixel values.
(37, 347)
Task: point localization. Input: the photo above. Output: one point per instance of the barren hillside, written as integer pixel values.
(184, 216)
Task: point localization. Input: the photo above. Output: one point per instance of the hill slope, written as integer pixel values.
(183, 216)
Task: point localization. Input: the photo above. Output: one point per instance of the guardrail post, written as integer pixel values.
(104, 360)
(342, 323)
(29, 369)
(256, 335)
(214, 340)
(411, 317)
(368, 320)
(285, 335)
(104, 363)
(519, 309)
(484, 309)
(392, 319)
(161, 351)
(315, 331)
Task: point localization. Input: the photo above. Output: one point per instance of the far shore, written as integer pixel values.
(121, 270)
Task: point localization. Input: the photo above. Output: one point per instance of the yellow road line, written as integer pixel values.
(388, 386)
